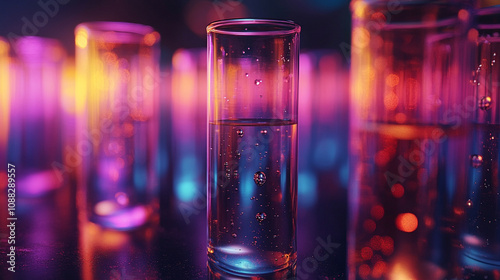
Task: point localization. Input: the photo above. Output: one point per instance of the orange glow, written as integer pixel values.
(4, 92)
(407, 222)
(391, 101)
(364, 271)
(463, 15)
(379, 17)
(359, 9)
(472, 35)
(366, 253)
(377, 212)
(429, 222)
(151, 38)
(369, 225)
(360, 37)
(400, 272)
(397, 190)
(400, 118)
(387, 246)
(81, 38)
(376, 242)
(392, 80)
(379, 269)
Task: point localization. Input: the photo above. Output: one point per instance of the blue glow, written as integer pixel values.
(185, 189)
(185, 185)
(247, 187)
(344, 175)
(140, 177)
(307, 189)
(326, 153)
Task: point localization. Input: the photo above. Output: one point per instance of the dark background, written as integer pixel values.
(181, 23)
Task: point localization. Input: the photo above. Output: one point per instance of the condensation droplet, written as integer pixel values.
(485, 103)
(234, 235)
(263, 132)
(261, 217)
(235, 174)
(239, 132)
(469, 203)
(259, 178)
(237, 155)
(476, 160)
(252, 198)
(258, 82)
(246, 75)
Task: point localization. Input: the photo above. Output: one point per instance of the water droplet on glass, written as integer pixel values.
(258, 82)
(252, 198)
(238, 155)
(246, 75)
(228, 175)
(476, 160)
(235, 174)
(260, 178)
(485, 103)
(263, 132)
(234, 235)
(469, 203)
(239, 132)
(261, 217)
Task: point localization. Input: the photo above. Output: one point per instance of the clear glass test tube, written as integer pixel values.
(117, 68)
(409, 114)
(481, 238)
(252, 144)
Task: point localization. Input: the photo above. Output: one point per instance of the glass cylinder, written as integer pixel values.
(481, 238)
(409, 113)
(35, 138)
(117, 67)
(252, 144)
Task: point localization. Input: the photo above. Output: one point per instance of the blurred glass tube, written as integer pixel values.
(409, 110)
(481, 238)
(4, 108)
(35, 114)
(117, 68)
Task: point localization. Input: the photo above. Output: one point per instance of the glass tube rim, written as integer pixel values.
(285, 27)
(133, 32)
